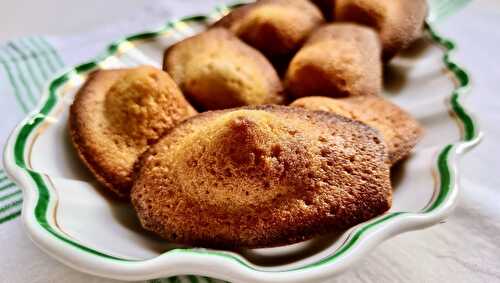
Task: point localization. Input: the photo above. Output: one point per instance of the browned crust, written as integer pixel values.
(410, 133)
(275, 40)
(203, 224)
(235, 15)
(337, 60)
(399, 22)
(400, 130)
(77, 130)
(173, 65)
(106, 144)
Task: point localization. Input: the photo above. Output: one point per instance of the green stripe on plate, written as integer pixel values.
(470, 130)
(445, 179)
(28, 53)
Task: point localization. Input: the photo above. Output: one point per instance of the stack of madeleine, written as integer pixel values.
(266, 129)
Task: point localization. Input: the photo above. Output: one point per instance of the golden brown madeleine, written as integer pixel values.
(400, 130)
(399, 22)
(261, 176)
(117, 114)
(216, 70)
(275, 27)
(337, 60)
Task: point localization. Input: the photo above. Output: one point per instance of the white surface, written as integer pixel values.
(464, 249)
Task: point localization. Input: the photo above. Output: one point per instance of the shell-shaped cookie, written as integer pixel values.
(399, 22)
(216, 70)
(399, 129)
(261, 176)
(275, 27)
(338, 60)
(117, 114)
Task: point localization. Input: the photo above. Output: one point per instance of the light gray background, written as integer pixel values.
(464, 249)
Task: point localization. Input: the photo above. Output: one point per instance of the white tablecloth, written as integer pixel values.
(466, 248)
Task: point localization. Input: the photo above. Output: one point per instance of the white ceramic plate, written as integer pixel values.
(66, 215)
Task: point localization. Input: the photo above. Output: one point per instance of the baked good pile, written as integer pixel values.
(264, 130)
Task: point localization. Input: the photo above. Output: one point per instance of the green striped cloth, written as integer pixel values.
(26, 65)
